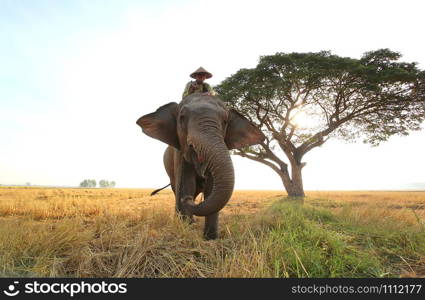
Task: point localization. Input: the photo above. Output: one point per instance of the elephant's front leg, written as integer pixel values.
(186, 189)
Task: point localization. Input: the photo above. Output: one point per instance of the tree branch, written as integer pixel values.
(261, 160)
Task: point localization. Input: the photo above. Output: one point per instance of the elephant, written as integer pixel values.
(200, 131)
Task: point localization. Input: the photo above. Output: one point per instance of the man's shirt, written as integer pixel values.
(194, 87)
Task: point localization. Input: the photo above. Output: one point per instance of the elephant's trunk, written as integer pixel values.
(215, 157)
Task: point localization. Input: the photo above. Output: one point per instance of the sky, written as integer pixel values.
(76, 75)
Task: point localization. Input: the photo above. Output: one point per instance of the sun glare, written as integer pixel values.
(301, 119)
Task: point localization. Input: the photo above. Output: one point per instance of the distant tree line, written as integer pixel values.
(91, 183)
(88, 183)
(106, 184)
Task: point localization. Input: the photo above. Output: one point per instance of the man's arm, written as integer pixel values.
(186, 90)
(210, 90)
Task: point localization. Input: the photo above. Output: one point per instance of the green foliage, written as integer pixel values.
(375, 96)
(106, 184)
(88, 183)
(91, 183)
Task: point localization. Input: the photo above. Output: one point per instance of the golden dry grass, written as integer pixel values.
(57, 203)
(398, 205)
(127, 233)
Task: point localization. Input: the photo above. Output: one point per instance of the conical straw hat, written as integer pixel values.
(200, 71)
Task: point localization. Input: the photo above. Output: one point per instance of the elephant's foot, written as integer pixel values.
(210, 235)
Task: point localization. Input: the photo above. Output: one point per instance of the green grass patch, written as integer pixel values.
(305, 246)
(316, 242)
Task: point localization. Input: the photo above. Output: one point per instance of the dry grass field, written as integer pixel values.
(58, 232)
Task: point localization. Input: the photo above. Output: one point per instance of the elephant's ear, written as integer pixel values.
(241, 132)
(161, 124)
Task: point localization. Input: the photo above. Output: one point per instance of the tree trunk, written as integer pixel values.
(294, 186)
(293, 182)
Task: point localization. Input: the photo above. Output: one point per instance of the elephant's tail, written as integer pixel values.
(156, 191)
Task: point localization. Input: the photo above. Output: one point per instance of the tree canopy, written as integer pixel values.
(106, 184)
(88, 183)
(371, 98)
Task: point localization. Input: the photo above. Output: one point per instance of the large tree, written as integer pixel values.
(372, 98)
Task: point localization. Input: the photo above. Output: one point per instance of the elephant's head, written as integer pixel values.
(204, 130)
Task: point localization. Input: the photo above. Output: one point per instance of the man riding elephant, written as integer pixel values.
(199, 86)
